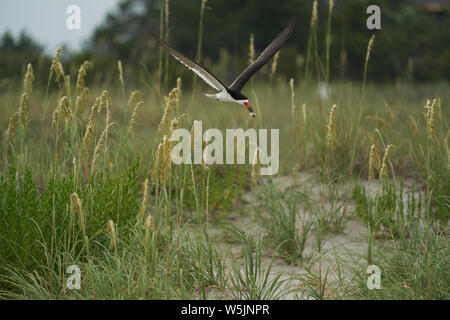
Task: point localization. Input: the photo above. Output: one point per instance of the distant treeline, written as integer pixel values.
(411, 46)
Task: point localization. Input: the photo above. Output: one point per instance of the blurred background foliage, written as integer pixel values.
(413, 44)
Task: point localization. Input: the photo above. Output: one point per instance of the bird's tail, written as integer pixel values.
(212, 96)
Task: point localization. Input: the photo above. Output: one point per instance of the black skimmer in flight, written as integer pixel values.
(233, 92)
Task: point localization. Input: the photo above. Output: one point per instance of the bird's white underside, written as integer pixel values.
(225, 97)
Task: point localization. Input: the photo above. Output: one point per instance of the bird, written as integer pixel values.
(233, 92)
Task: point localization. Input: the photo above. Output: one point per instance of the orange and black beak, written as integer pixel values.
(247, 105)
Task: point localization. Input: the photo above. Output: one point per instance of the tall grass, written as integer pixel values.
(92, 185)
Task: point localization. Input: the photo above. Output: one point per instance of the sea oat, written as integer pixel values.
(315, 15)
(104, 99)
(82, 100)
(175, 124)
(81, 76)
(119, 67)
(170, 106)
(23, 108)
(75, 170)
(293, 107)
(163, 160)
(55, 118)
(251, 51)
(179, 85)
(374, 161)
(100, 143)
(110, 228)
(386, 159)
(430, 110)
(133, 118)
(370, 47)
(331, 132)
(56, 66)
(166, 11)
(12, 127)
(205, 156)
(178, 96)
(28, 80)
(304, 113)
(62, 113)
(135, 97)
(90, 126)
(76, 202)
(274, 65)
(66, 108)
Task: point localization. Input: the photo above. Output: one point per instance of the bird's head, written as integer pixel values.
(249, 108)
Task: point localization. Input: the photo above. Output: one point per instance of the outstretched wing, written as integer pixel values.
(207, 76)
(264, 57)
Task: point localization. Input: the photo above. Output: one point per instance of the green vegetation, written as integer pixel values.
(86, 180)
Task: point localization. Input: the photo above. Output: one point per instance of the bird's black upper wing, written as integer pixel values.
(264, 57)
(202, 72)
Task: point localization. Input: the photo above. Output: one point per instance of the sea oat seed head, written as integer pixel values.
(100, 143)
(304, 113)
(135, 97)
(28, 80)
(430, 109)
(374, 161)
(251, 51)
(274, 64)
(23, 108)
(76, 202)
(133, 118)
(110, 228)
(293, 107)
(370, 47)
(331, 133)
(81, 76)
(12, 127)
(119, 67)
(386, 159)
(66, 109)
(315, 15)
(169, 109)
(82, 100)
(56, 66)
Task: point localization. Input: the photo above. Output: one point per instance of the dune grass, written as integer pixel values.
(86, 179)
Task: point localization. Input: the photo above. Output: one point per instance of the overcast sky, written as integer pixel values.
(45, 20)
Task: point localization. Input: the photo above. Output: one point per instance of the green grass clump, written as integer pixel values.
(278, 212)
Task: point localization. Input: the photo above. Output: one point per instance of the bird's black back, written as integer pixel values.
(237, 95)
